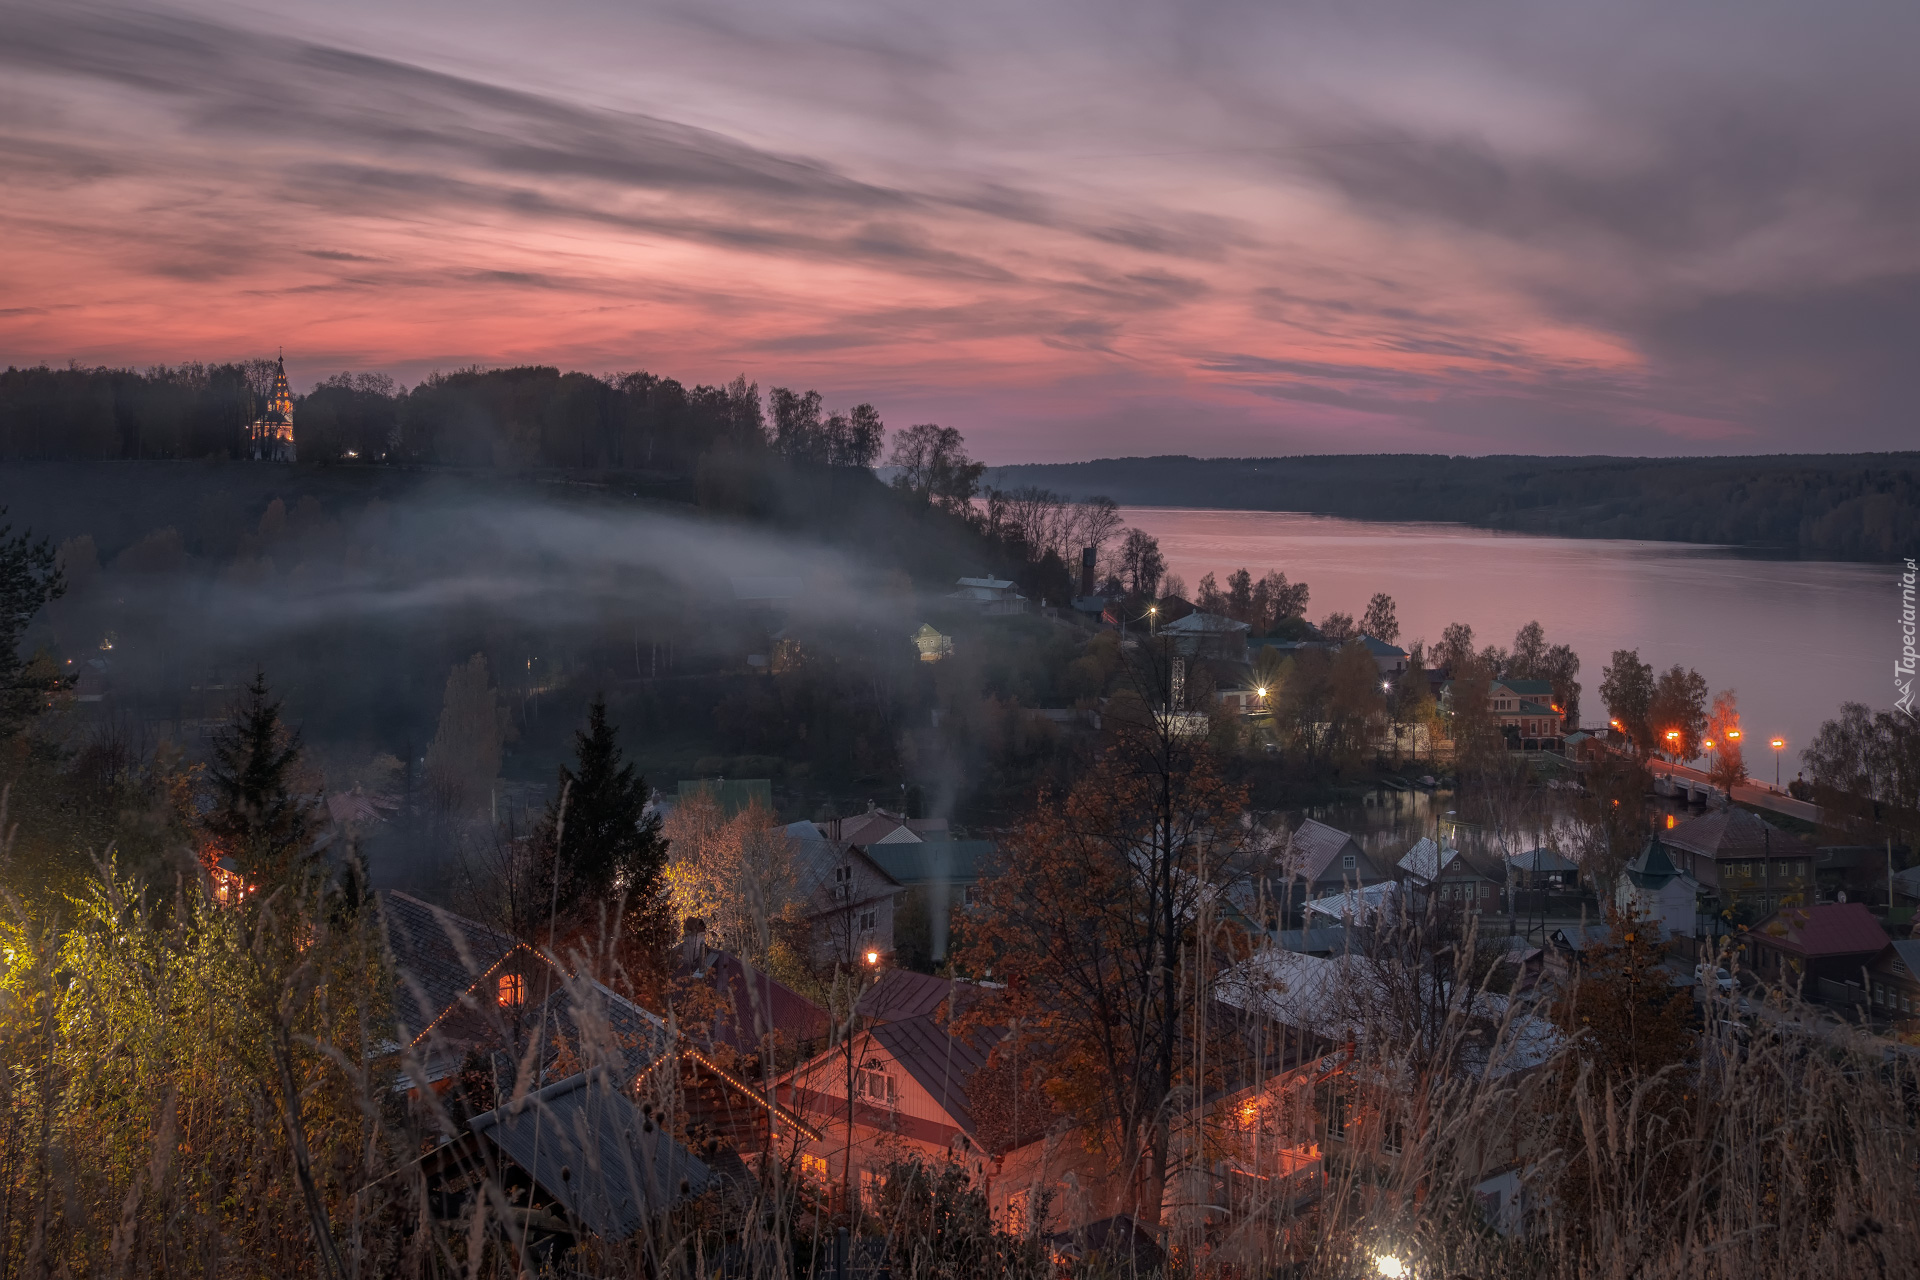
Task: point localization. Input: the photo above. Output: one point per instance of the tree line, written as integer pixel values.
(1832, 506)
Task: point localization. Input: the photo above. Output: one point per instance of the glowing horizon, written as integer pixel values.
(1068, 234)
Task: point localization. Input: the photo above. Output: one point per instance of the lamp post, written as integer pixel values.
(1777, 744)
(1673, 743)
(1153, 617)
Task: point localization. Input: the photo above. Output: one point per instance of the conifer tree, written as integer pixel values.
(604, 846)
(258, 819)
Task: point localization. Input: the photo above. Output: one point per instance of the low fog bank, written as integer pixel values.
(726, 644)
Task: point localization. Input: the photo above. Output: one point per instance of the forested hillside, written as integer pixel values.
(1831, 506)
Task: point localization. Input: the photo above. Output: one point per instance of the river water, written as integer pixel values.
(1793, 638)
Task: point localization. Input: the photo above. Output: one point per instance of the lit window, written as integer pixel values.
(814, 1169)
(876, 1088)
(513, 989)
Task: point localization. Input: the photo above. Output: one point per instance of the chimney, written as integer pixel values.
(1086, 571)
(693, 942)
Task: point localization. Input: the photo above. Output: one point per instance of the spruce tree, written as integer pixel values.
(257, 819)
(609, 846)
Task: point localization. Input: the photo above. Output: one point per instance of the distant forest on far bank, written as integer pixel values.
(1862, 506)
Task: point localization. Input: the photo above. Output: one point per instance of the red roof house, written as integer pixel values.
(1832, 940)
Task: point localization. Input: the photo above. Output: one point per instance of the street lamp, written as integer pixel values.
(1777, 744)
(873, 957)
(1153, 616)
(1673, 741)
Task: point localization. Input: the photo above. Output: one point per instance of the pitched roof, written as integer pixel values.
(987, 584)
(1198, 623)
(1651, 868)
(755, 1004)
(902, 993)
(1824, 929)
(941, 1063)
(1731, 833)
(1907, 951)
(589, 1147)
(1380, 648)
(1527, 688)
(1426, 859)
(1357, 905)
(1540, 860)
(933, 861)
(438, 957)
(1314, 846)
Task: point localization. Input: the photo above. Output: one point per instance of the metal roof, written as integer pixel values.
(438, 956)
(934, 861)
(1824, 929)
(592, 1150)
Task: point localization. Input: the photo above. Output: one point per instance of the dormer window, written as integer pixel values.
(843, 875)
(1348, 862)
(512, 990)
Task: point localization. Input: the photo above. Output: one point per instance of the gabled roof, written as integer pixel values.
(1526, 688)
(754, 1004)
(1822, 930)
(1907, 952)
(902, 993)
(1540, 860)
(1197, 623)
(933, 861)
(1357, 905)
(942, 1064)
(1732, 833)
(1314, 846)
(438, 957)
(987, 584)
(590, 1148)
(1426, 860)
(817, 859)
(1380, 648)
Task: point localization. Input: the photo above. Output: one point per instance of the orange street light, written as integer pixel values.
(1777, 744)
(873, 957)
(1733, 735)
(1708, 744)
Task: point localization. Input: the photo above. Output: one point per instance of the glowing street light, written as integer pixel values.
(1385, 1264)
(1777, 744)
(1733, 735)
(873, 957)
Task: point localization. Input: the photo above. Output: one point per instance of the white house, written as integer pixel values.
(1659, 891)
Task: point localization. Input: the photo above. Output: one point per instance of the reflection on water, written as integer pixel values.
(1794, 638)
(1386, 823)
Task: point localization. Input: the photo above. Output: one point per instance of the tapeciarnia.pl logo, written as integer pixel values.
(1903, 666)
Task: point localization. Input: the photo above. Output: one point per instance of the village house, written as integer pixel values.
(1745, 863)
(938, 878)
(1443, 875)
(1206, 635)
(1653, 888)
(894, 1091)
(1819, 950)
(1318, 861)
(1390, 658)
(1542, 869)
(847, 899)
(1894, 977)
(990, 596)
(1525, 712)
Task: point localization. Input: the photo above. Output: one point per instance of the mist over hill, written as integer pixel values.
(1821, 506)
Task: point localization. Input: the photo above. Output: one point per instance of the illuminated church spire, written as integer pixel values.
(271, 438)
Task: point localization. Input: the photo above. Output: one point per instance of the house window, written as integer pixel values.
(843, 875)
(868, 919)
(1017, 1210)
(512, 989)
(966, 895)
(875, 1088)
(1348, 862)
(813, 1169)
(1336, 1115)
(871, 1186)
(1393, 1133)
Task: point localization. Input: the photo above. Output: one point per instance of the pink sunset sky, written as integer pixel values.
(1070, 229)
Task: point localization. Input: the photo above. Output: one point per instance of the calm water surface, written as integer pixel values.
(1794, 638)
